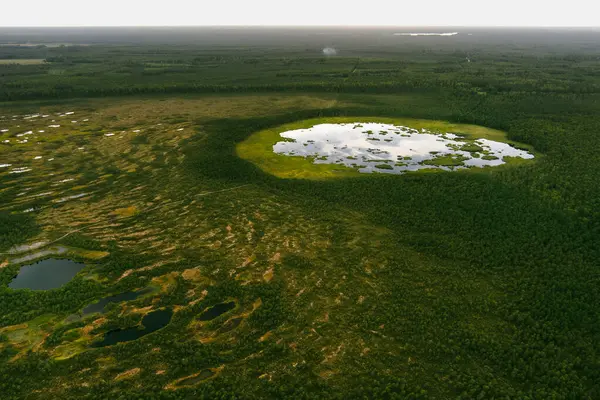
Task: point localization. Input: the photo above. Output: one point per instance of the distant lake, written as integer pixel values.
(47, 274)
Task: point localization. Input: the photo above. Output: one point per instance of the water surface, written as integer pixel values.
(152, 322)
(216, 311)
(386, 148)
(47, 274)
(101, 305)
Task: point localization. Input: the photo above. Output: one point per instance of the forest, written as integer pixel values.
(467, 66)
(475, 285)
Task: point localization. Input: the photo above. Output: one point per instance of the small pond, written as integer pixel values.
(101, 305)
(393, 149)
(216, 311)
(47, 274)
(152, 322)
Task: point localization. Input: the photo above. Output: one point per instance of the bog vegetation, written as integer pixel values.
(444, 285)
(275, 151)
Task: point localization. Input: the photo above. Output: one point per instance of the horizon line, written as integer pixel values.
(306, 26)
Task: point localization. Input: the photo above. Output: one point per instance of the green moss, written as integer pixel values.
(384, 166)
(471, 148)
(488, 157)
(514, 160)
(447, 161)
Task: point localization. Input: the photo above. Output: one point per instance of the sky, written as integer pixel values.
(304, 12)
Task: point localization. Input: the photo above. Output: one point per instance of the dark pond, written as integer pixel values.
(100, 306)
(151, 322)
(47, 274)
(216, 311)
(204, 374)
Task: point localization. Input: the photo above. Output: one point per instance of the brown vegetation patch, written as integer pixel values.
(95, 324)
(125, 212)
(268, 275)
(265, 336)
(276, 258)
(210, 373)
(93, 255)
(141, 310)
(326, 374)
(257, 303)
(127, 374)
(192, 274)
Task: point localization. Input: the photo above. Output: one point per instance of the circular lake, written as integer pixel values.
(47, 274)
(342, 146)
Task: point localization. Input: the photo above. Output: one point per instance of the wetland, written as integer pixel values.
(152, 322)
(340, 147)
(366, 146)
(290, 261)
(100, 306)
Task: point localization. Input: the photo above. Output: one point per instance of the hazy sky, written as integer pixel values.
(302, 12)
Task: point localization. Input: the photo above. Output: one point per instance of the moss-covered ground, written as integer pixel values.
(429, 285)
